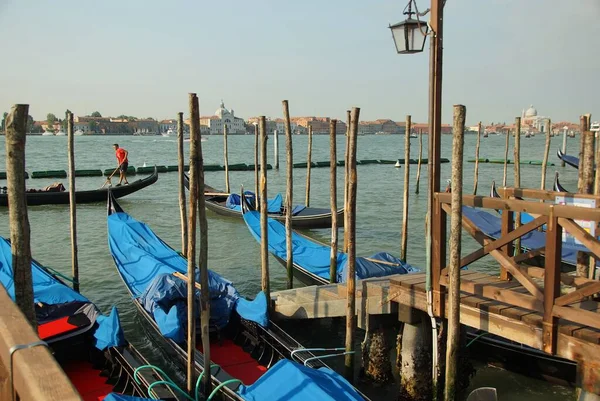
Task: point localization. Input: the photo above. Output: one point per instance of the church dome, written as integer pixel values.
(531, 112)
(221, 110)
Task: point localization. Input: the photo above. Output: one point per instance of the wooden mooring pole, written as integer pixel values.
(517, 184)
(256, 164)
(586, 166)
(264, 233)
(477, 158)
(333, 200)
(546, 153)
(346, 176)
(289, 195)
(564, 146)
(404, 239)
(276, 149)
(308, 164)
(350, 226)
(16, 130)
(191, 254)
(226, 159)
(584, 124)
(181, 182)
(505, 159)
(203, 266)
(419, 161)
(453, 345)
(72, 201)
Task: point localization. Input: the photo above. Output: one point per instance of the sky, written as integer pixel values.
(142, 58)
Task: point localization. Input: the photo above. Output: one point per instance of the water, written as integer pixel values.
(234, 253)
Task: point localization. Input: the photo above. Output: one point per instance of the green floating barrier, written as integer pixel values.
(382, 161)
(269, 167)
(442, 160)
(213, 167)
(342, 163)
(301, 165)
(498, 161)
(239, 167)
(172, 168)
(3, 175)
(322, 164)
(150, 169)
(130, 171)
(88, 173)
(49, 174)
(369, 161)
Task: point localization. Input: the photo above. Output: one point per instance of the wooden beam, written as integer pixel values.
(507, 226)
(566, 279)
(528, 255)
(186, 279)
(580, 234)
(577, 315)
(569, 212)
(543, 195)
(551, 283)
(500, 242)
(579, 294)
(506, 261)
(499, 294)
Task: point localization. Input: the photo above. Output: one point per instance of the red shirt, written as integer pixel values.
(121, 158)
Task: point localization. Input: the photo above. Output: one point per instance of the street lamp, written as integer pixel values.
(410, 34)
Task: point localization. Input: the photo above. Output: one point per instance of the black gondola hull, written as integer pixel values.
(92, 196)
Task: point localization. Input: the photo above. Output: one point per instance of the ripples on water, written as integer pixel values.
(234, 253)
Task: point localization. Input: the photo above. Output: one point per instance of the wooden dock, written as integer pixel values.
(543, 308)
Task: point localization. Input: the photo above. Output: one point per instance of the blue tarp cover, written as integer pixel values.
(290, 381)
(491, 226)
(121, 397)
(314, 257)
(147, 265)
(273, 205)
(109, 332)
(48, 290)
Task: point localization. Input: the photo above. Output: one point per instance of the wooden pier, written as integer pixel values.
(539, 307)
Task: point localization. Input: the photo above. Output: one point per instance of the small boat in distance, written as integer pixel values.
(48, 133)
(60, 133)
(169, 132)
(78, 133)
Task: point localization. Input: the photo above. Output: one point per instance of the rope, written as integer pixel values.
(477, 338)
(59, 274)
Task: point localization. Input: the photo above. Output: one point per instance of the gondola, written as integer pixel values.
(252, 357)
(570, 160)
(312, 259)
(89, 196)
(90, 347)
(557, 186)
(302, 217)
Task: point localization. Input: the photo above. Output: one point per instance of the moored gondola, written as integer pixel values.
(557, 186)
(90, 347)
(572, 161)
(89, 196)
(312, 259)
(302, 216)
(252, 357)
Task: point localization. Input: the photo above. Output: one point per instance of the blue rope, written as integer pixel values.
(59, 274)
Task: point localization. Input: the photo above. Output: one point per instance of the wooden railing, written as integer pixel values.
(546, 299)
(36, 376)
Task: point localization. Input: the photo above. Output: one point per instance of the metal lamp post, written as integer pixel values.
(405, 36)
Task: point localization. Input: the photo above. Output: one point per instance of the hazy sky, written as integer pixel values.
(142, 57)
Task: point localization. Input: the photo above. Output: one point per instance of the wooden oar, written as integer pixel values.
(383, 262)
(184, 278)
(110, 176)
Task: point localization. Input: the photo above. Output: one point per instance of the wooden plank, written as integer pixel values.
(551, 282)
(528, 255)
(37, 376)
(564, 211)
(579, 233)
(579, 294)
(565, 278)
(577, 315)
(506, 296)
(587, 334)
(541, 194)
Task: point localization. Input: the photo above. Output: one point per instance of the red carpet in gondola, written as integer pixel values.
(87, 380)
(235, 361)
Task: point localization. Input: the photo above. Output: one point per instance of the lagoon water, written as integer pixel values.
(234, 253)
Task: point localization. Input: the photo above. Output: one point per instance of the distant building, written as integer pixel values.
(531, 122)
(222, 118)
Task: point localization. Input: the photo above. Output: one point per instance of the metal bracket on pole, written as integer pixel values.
(11, 352)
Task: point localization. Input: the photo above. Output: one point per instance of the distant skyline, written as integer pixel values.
(142, 57)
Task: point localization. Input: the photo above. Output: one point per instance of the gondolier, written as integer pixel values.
(122, 163)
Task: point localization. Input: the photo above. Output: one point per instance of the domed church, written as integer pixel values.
(222, 118)
(531, 122)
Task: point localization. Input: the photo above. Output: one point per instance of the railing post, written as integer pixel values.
(551, 281)
(508, 220)
(438, 257)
